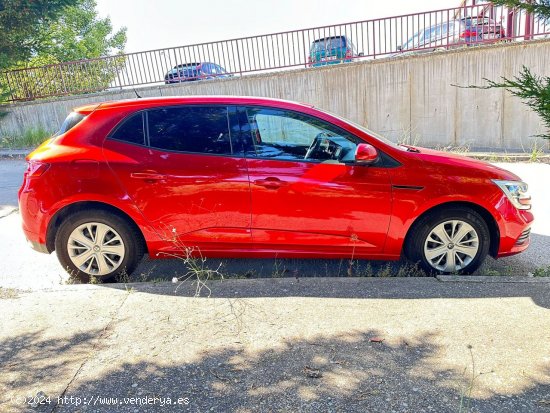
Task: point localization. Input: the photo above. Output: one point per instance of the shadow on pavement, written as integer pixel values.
(346, 372)
(536, 256)
(350, 287)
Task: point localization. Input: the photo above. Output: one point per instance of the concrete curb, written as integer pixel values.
(170, 287)
(507, 157)
(492, 279)
(14, 153)
(7, 210)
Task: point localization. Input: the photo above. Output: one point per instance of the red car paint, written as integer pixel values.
(243, 207)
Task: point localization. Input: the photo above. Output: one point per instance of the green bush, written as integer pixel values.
(31, 138)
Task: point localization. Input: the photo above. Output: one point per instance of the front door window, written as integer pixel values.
(286, 135)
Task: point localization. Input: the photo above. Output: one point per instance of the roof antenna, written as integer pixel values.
(137, 94)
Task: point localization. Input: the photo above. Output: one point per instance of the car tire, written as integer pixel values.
(97, 245)
(449, 241)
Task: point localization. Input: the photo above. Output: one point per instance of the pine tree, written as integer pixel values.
(532, 89)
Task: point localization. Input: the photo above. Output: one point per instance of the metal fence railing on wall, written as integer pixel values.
(369, 39)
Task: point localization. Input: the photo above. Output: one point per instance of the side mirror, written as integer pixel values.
(365, 154)
(399, 48)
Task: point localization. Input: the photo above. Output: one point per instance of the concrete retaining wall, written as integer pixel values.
(408, 98)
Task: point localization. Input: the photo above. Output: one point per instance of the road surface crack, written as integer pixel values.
(104, 334)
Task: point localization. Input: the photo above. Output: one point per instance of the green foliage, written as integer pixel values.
(29, 139)
(74, 32)
(78, 34)
(539, 7)
(23, 24)
(542, 272)
(532, 89)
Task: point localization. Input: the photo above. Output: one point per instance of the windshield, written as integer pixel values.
(414, 41)
(476, 21)
(328, 43)
(187, 66)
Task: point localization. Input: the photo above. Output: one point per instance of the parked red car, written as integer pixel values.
(255, 177)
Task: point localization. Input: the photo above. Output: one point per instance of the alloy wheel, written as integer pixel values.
(95, 248)
(451, 246)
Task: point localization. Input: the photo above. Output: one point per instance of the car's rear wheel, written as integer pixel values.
(98, 245)
(450, 241)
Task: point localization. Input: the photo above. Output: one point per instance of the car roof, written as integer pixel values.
(329, 38)
(180, 100)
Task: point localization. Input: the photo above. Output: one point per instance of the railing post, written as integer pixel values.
(62, 79)
(238, 58)
(529, 23)
(510, 24)
(373, 40)
(305, 48)
(118, 72)
(175, 59)
(10, 89)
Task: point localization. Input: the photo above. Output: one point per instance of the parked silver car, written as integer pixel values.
(442, 36)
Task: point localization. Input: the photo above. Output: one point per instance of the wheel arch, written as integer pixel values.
(484, 213)
(68, 210)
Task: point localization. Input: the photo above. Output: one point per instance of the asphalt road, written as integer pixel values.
(25, 268)
(11, 176)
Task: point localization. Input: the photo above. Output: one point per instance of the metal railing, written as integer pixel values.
(414, 33)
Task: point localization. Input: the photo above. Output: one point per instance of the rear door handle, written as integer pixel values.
(149, 176)
(270, 183)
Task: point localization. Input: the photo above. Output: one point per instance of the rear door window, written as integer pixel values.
(198, 129)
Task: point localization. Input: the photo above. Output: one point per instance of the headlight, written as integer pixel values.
(516, 192)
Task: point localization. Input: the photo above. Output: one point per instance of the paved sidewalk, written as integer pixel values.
(308, 345)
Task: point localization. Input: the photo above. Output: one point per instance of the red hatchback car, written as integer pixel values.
(257, 177)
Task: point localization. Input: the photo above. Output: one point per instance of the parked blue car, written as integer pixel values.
(332, 50)
(189, 72)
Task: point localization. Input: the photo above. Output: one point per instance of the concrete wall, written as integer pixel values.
(408, 98)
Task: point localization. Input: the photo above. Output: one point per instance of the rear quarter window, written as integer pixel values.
(70, 122)
(131, 130)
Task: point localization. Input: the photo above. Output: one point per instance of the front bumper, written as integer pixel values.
(515, 229)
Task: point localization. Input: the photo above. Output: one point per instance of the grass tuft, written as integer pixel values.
(31, 138)
(542, 271)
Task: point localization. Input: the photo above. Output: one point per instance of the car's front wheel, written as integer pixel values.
(98, 244)
(449, 241)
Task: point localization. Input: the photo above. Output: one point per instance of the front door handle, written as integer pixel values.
(270, 183)
(148, 176)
